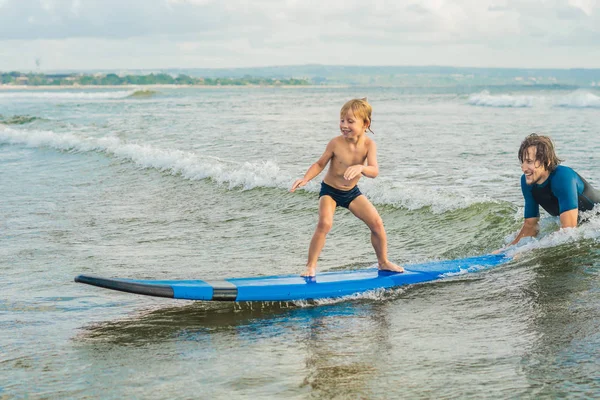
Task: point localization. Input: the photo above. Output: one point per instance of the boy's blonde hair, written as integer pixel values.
(361, 109)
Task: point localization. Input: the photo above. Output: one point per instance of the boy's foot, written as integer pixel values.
(390, 266)
(310, 272)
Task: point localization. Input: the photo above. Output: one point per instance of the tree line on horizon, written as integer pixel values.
(40, 79)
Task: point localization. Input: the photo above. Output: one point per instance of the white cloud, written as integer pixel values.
(211, 33)
(587, 6)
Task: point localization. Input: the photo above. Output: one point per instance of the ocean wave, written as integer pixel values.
(576, 99)
(63, 95)
(579, 99)
(415, 197)
(189, 165)
(244, 175)
(17, 119)
(485, 99)
(142, 94)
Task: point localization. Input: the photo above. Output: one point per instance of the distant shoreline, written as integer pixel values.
(161, 86)
(312, 76)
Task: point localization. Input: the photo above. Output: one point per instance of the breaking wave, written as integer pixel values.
(234, 174)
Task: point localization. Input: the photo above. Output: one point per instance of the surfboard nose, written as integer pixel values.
(125, 285)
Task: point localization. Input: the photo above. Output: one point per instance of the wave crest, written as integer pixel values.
(17, 119)
(244, 175)
(142, 94)
(579, 99)
(415, 197)
(485, 99)
(189, 165)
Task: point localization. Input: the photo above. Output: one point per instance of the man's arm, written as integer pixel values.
(565, 188)
(568, 219)
(530, 228)
(532, 213)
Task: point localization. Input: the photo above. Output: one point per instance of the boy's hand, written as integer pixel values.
(297, 184)
(353, 171)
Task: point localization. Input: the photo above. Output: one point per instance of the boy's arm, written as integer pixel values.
(316, 168)
(370, 169)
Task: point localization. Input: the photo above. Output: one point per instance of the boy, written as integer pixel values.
(350, 155)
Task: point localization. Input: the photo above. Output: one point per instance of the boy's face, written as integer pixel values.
(350, 126)
(534, 170)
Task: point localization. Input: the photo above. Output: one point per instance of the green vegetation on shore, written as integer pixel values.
(464, 78)
(39, 79)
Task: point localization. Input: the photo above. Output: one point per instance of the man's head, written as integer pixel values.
(538, 158)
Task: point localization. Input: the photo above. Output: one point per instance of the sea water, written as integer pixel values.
(188, 183)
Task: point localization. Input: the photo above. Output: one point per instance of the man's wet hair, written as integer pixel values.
(545, 153)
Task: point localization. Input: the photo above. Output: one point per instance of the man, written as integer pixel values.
(558, 189)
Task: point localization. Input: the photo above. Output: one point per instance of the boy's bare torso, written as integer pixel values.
(346, 154)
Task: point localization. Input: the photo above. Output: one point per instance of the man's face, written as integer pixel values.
(534, 170)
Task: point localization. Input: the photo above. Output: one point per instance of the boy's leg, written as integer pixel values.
(362, 208)
(326, 211)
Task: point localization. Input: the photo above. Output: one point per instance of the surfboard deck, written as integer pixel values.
(295, 287)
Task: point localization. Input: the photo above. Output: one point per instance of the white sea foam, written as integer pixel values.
(550, 237)
(485, 99)
(187, 164)
(60, 95)
(414, 197)
(379, 294)
(579, 99)
(375, 294)
(464, 271)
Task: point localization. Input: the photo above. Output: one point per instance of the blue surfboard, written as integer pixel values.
(295, 287)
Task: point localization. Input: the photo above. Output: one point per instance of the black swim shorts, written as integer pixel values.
(342, 198)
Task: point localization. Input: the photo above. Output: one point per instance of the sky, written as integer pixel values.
(51, 35)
